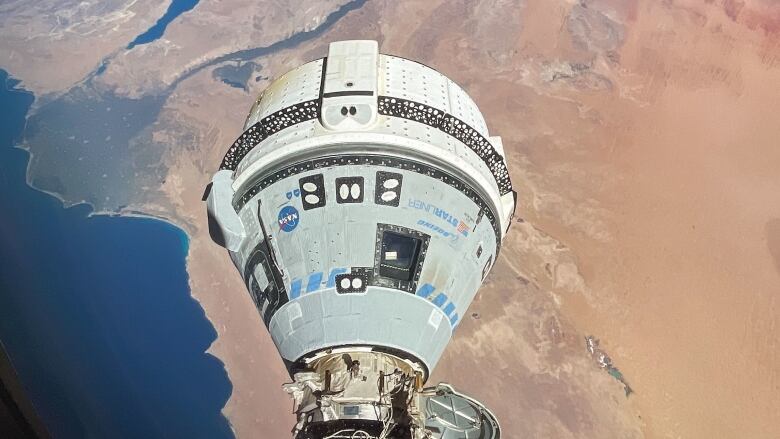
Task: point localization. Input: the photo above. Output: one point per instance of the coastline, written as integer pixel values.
(130, 213)
(620, 203)
(92, 308)
(239, 341)
(287, 43)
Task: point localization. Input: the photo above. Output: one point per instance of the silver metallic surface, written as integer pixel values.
(363, 206)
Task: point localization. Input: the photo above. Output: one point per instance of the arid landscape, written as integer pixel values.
(642, 138)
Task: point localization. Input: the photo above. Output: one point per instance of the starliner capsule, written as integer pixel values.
(364, 205)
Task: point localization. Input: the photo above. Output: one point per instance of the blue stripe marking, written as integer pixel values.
(449, 308)
(425, 290)
(314, 282)
(440, 299)
(332, 277)
(454, 320)
(295, 289)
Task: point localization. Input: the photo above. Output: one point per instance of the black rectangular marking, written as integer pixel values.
(207, 191)
(312, 191)
(349, 190)
(351, 283)
(412, 272)
(388, 188)
(338, 94)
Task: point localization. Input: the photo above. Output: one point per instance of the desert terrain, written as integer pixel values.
(641, 137)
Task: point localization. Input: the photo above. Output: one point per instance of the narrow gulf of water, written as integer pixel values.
(96, 313)
(176, 8)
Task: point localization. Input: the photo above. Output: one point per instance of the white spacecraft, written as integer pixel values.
(364, 205)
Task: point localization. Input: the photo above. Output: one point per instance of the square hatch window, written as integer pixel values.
(398, 255)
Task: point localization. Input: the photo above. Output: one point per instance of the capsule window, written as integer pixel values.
(399, 255)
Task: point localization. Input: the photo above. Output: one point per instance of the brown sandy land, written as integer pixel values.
(520, 356)
(550, 388)
(580, 400)
(210, 113)
(211, 30)
(54, 44)
(689, 268)
(664, 185)
(200, 119)
(640, 136)
(658, 166)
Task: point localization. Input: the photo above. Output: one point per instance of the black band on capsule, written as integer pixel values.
(388, 106)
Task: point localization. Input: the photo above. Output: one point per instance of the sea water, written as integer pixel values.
(176, 8)
(96, 312)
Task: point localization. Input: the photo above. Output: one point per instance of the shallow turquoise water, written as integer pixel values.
(96, 312)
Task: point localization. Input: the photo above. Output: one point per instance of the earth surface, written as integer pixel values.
(642, 137)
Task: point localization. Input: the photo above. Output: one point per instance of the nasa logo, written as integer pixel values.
(288, 218)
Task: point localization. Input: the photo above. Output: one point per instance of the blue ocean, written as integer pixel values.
(176, 8)
(96, 312)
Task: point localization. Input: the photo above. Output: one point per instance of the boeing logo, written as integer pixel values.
(459, 225)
